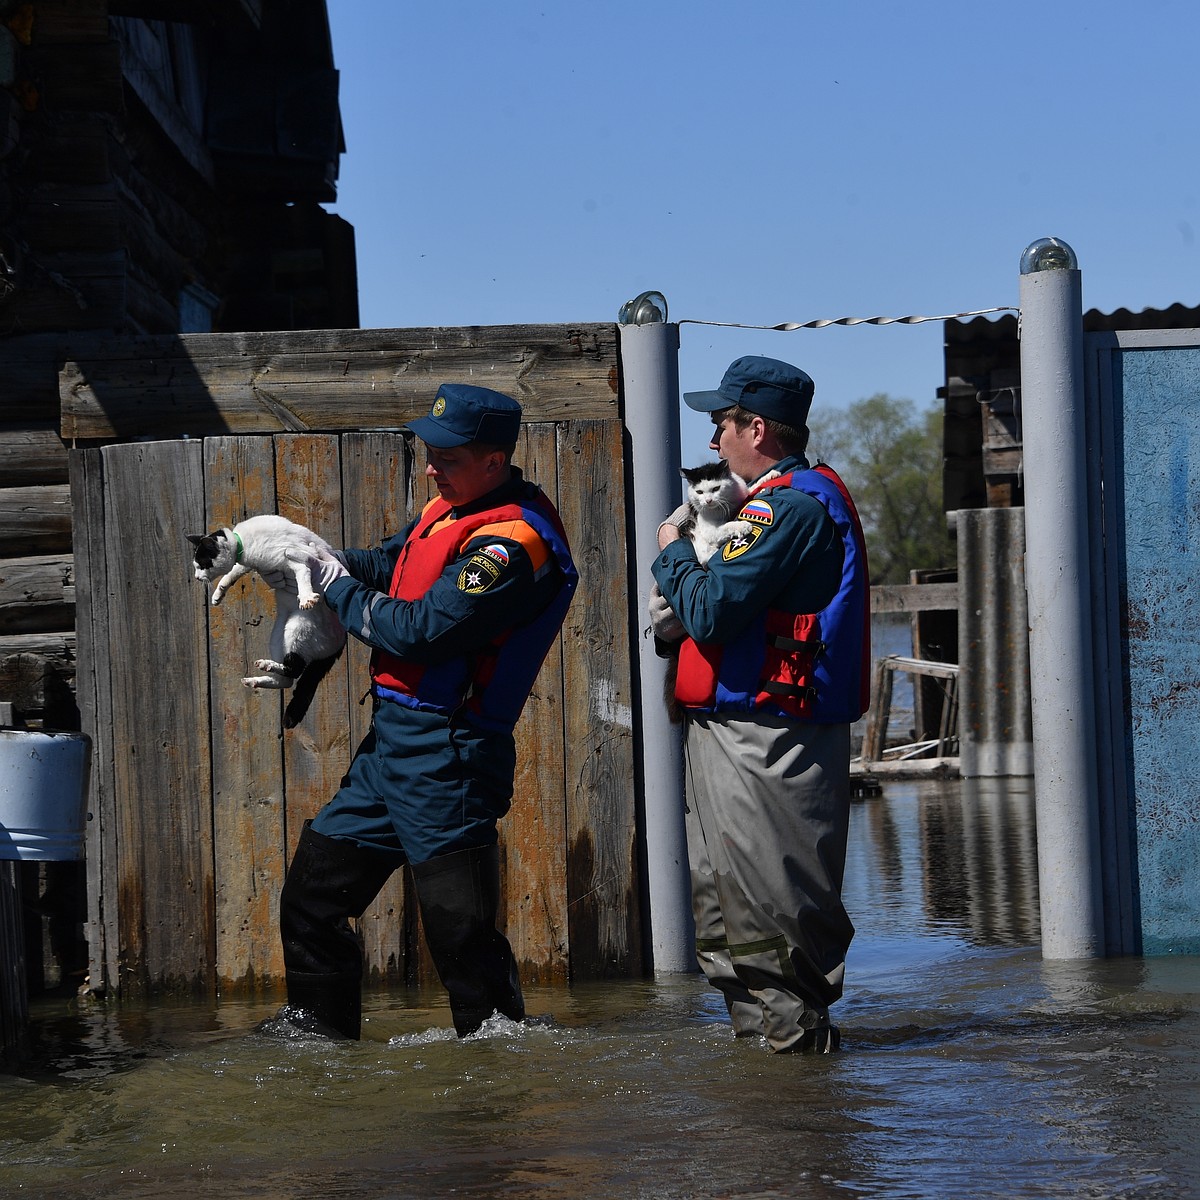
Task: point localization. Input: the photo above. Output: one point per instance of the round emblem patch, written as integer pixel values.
(439, 407)
(741, 542)
(479, 573)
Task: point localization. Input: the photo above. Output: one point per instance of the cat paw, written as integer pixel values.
(310, 602)
(263, 681)
(269, 664)
(217, 597)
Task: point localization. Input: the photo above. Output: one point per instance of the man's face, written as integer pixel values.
(463, 473)
(735, 446)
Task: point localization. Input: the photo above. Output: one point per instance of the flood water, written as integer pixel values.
(969, 1068)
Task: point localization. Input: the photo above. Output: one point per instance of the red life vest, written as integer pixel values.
(489, 685)
(807, 666)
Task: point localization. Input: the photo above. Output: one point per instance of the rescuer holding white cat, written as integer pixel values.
(773, 668)
(460, 609)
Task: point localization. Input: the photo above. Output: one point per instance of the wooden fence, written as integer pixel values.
(198, 794)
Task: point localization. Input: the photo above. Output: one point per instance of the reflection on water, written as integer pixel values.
(962, 854)
(969, 1068)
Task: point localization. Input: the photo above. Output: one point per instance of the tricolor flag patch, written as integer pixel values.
(498, 552)
(758, 511)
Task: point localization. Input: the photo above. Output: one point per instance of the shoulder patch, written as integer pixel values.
(497, 553)
(741, 542)
(478, 573)
(758, 511)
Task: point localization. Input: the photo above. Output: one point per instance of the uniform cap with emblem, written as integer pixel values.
(772, 389)
(462, 413)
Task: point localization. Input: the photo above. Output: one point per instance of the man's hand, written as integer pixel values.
(323, 565)
(665, 625)
(668, 531)
(279, 580)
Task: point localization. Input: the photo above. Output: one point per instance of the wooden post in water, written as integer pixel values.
(14, 1002)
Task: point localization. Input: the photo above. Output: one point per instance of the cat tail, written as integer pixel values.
(306, 688)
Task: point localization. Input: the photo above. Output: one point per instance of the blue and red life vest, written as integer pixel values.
(488, 686)
(807, 666)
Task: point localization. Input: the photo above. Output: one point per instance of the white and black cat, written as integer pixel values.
(714, 495)
(307, 638)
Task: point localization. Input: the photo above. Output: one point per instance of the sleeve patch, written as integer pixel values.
(479, 573)
(758, 511)
(741, 542)
(497, 552)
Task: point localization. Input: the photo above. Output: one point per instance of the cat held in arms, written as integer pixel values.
(307, 638)
(715, 496)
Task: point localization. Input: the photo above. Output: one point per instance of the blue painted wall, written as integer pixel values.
(1157, 395)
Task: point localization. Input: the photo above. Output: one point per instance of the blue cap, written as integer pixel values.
(772, 389)
(462, 413)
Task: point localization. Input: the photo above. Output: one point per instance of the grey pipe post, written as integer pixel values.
(1057, 583)
(650, 371)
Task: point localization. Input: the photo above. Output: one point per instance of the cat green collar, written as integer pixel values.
(237, 556)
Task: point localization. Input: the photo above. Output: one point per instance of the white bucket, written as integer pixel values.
(43, 794)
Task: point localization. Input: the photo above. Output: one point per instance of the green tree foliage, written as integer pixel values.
(890, 456)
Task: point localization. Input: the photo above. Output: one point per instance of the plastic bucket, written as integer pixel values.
(43, 794)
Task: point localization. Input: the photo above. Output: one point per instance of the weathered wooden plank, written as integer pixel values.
(76, 291)
(146, 305)
(533, 835)
(94, 694)
(316, 753)
(1007, 460)
(72, 151)
(29, 378)
(70, 218)
(602, 881)
(913, 597)
(315, 380)
(247, 756)
(31, 454)
(34, 667)
(35, 520)
(37, 594)
(154, 495)
(375, 505)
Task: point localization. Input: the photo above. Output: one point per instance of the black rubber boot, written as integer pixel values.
(459, 895)
(328, 882)
(328, 1005)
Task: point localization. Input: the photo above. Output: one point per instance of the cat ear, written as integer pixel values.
(194, 538)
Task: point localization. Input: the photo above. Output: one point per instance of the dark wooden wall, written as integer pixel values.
(198, 793)
(162, 167)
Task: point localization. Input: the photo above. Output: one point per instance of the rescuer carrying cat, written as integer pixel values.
(460, 609)
(772, 671)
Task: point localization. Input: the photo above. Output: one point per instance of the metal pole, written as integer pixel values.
(1057, 582)
(650, 371)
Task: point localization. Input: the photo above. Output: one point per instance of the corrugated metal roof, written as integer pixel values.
(1004, 328)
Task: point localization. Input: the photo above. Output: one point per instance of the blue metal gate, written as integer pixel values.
(1144, 404)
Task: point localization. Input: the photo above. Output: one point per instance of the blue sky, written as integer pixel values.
(760, 161)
